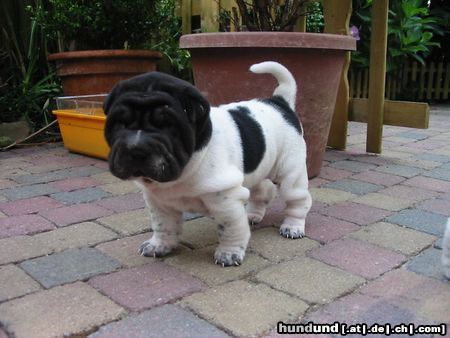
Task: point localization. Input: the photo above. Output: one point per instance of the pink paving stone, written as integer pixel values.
(23, 225)
(317, 182)
(75, 214)
(146, 286)
(317, 206)
(378, 178)
(333, 174)
(3, 334)
(358, 257)
(428, 183)
(75, 183)
(102, 165)
(409, 193)
(437, 206)
(356, 213)
(124, 203)
(29, 205)
(327, 229)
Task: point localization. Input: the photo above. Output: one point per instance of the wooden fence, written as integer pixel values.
(416, 82)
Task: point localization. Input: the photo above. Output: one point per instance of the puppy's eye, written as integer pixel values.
(161, 117)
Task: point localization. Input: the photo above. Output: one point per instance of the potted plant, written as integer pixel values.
(265, 32)
(99, 41)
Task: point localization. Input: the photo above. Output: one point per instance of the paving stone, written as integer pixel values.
(414, 135)
(63, 311)
(57, 175)
(153, 324)
(23, 225)
(29, 206)
(436, 206)
(394, 237)
(245, 309)
(200, 263)
(353, 166)
(333, 174)
(199, 233)
(433, 157)
(326, 229)
(5, 183)
(354, 186)
(120, 188)
(3, 334)
(15, 283)
(316, 182)
(428, 183)
(74, 183)
(330, 196)
(269, 244)
(409, 193)
(428, 263)
(355, 309)
(69, 266)
(75, 214)
(357, 257)
(421, 295)
(400, 170)
(356, 213)
(385, 202)
(123, 203)
(128, 223)
(18, 248)
(378, 178)
(309, 280)
(28, 191)
(125, 250)
(420, 220)
(439, 173)
(146, 286)
(81, 196)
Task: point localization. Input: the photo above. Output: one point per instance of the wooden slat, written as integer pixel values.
(396, 113)
(209, 16)
(186, 16)
(430, 80)
(337, 18)
(447, 82)
(377, 77)
(438, 83)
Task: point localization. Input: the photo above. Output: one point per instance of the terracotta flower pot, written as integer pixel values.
(97, 71)
(221, 62)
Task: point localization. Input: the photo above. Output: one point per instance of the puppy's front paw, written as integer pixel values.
(292, 231)
(152, 248)
(229, 256)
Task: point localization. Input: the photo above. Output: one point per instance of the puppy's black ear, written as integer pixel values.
(110, 99)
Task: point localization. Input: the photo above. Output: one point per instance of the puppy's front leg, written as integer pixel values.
(166, 225)
(227, 208)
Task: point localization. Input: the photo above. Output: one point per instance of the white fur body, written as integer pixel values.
(214, 183)
(446, 251)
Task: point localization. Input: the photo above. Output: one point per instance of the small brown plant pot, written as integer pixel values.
(97, 71)
(221, 63)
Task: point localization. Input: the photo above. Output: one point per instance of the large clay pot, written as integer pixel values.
(221, 62)
(97, 71)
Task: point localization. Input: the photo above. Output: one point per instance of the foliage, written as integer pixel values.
(26, 83)
(411, 29)
(271, 15)
(97, 24)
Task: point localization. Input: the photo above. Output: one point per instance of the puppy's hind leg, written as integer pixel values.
(260, 197)
(294, 190)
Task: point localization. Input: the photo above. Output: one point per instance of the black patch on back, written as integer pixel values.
(288, 114)
(252, 137)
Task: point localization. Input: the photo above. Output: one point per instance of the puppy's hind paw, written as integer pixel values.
(150, 249)
(292, 231)
(230, 257)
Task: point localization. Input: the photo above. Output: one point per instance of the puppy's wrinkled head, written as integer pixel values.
(155, 122)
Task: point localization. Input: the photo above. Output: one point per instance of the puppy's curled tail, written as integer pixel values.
(287, 87)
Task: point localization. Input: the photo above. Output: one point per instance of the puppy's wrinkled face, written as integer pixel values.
(155, 122)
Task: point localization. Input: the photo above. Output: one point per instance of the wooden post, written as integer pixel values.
(337, 18)
(209, 16)
(378, 49)
(186, 16)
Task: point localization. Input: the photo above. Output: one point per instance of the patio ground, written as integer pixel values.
(69, 233)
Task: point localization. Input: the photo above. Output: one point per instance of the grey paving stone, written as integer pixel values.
(438, 243)
(413, 135)
(57, 175)
(69, 266)
(354, 186)
(420, 220)
(433, 157)
(439, 173)
(400, 170)
(353, 166)
(81, 195)
(154, 323)
(428, 263)
(28, 191)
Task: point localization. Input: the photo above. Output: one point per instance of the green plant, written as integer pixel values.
(27, 84)
(314, 17)
(410, 33)
(97, 24)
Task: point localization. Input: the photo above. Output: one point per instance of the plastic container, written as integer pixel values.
(82, 124)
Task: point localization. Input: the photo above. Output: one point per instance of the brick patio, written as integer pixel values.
(69, 233)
